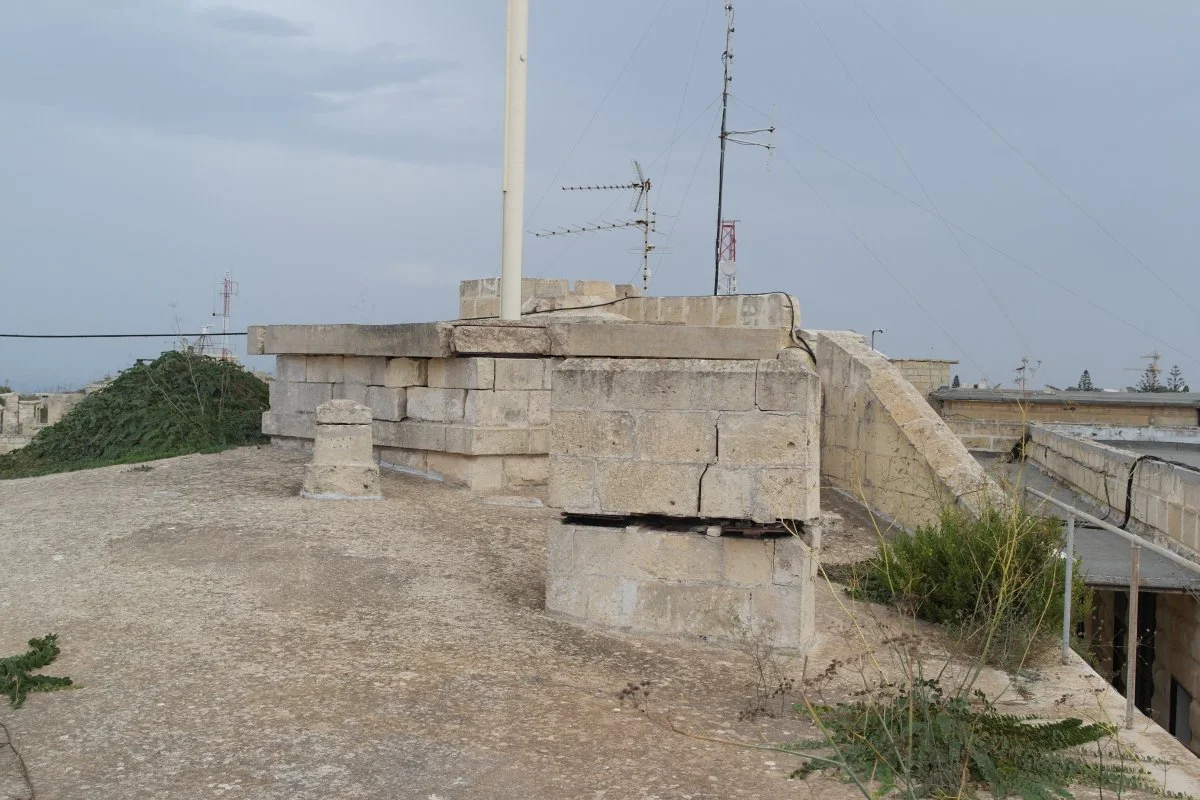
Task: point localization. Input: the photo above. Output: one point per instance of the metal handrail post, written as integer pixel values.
(1131, 634)
(1066, 629)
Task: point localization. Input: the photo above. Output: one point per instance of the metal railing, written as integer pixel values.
(1135, 556)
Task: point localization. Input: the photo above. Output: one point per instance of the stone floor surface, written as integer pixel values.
(229, 639)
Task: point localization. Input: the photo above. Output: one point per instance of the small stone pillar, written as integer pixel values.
(342, 467)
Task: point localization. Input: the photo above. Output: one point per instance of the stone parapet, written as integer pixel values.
(681, 583)
(882, 442)
(686, 438)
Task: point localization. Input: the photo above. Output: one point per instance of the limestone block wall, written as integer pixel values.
(720, 439)
(987, 436)
(1166, 498)
(481, 298)
(881, 440)
(682, 583)
(925, 374)
(773, 310)
(1066, 411)
(476, 421)
(1177, 655)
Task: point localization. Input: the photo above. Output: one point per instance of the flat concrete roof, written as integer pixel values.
(1184, 399)
(1104, 556)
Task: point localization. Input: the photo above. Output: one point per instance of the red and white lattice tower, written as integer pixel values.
(728, 255)
(229, 290)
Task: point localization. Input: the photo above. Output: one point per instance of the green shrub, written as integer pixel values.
(16, 680)
(178, 404)
(997, 578)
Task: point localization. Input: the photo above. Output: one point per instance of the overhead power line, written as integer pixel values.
(863, 244)
(1020, 154)
(995, 249)
(108, 335)
(911, 171)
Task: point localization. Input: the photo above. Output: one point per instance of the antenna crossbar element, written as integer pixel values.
(647, 220)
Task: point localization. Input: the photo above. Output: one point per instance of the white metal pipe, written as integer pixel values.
(516, 71)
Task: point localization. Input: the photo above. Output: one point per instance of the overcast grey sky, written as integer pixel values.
(342, 159)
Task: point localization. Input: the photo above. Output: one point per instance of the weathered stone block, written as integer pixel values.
(648, 340)
(288, 397)
(788, 494)
(539, 407)
(641, 487)
(674, 557)
(573, 485)
(599, 288)
(788, 386)
(524, 471)
(795, 562)
(462, 373)
(415, 340)
(470, 440)
(677, 436)
(404, 372)
(518, 373)
(705, 611)
(402, 459)
(341, 482)
(344, 412)
(764, 438)
(386, 403)
(291, 368)
(297, 426)
(494, 408)
(746, 562)
(351, 391)
(728, 493)
(500, 339)
(325, 369)
(410, 434)
(481, 473)
(550, 364)
(539, 440)
(436, 405)
(654, 384)
(342, 444)
(366, 370)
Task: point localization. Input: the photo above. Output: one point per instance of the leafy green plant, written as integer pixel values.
(16, 680)
(178, 404)
(996, 578)
(925, 743)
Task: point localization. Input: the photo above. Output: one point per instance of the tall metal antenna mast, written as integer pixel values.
(648, 220)
(727, 136)
(229, 290)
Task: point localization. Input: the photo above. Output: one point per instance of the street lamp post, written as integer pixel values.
(877, 330)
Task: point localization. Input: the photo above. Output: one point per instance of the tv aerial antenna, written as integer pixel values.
(646, 220)
(726, 229)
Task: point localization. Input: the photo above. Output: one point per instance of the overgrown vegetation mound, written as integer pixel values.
(998, 579)
(180, 403)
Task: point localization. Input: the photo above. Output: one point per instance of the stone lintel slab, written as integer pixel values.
(416, 340)
(648, 340)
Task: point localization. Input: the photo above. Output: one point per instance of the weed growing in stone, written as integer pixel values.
(16, 678)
